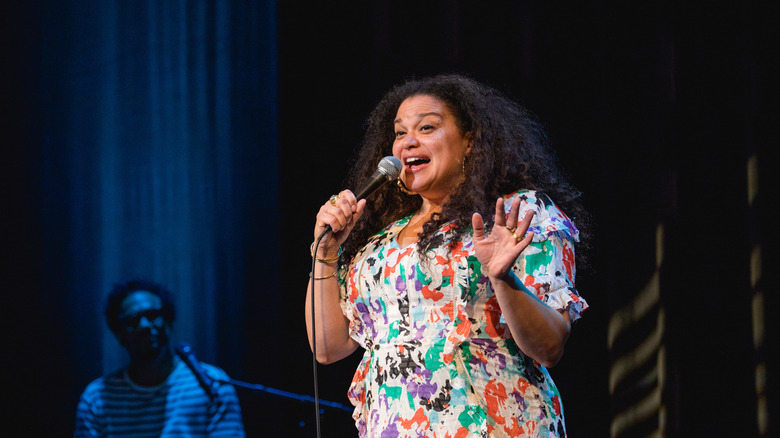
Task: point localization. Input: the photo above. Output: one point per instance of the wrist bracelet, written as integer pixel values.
(334, 259)
(326, 276)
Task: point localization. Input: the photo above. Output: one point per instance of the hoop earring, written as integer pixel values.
(403, 187)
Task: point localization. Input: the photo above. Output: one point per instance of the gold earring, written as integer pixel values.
(403, 188)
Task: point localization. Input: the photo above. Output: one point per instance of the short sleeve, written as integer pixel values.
(547, 266)
(89, 413)
(227, 419)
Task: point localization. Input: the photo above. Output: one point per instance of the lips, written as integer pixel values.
(414, 163)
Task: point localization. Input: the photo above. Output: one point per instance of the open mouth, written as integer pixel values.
(414, 163)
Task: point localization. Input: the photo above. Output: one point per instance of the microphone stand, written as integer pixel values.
(286, 394)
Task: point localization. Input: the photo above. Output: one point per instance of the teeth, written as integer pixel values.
(413, 160)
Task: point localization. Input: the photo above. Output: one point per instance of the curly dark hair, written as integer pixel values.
(510, 151)
(122, 290)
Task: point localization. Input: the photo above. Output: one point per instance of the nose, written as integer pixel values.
(409, 141)
(145, 322)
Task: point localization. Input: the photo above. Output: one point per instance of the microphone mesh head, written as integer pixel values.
(390, 167)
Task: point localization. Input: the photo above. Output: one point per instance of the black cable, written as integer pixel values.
(314, 333)
(278, 392)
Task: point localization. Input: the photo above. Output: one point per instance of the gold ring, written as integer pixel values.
(333, 199)
(511, 230)
(517, 238)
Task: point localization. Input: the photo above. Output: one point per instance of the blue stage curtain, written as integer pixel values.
(158, 143)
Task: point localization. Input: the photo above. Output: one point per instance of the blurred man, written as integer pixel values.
(157, 394)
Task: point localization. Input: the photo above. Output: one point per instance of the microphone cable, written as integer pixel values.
(314, 335)
(388, 169)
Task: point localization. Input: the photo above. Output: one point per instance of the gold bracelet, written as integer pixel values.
(326, 276)
(334, 259)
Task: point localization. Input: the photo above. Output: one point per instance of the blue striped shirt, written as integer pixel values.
(114, 406)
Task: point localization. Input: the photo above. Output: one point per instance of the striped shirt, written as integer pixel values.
(114, 406)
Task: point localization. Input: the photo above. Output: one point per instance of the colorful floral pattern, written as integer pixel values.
(439, 360)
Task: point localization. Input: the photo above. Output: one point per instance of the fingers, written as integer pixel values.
(514, 211)
(478, 225)
(511, 221)
(529, 237)
(339, 212)
(500, 216)
(361, 206)
(523, 226)
(347, 203)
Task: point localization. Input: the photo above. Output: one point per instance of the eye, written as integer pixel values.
(399, 134)
(426, 128)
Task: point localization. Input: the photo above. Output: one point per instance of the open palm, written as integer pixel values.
(498, 251)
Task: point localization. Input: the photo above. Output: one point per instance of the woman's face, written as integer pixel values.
(430, 146)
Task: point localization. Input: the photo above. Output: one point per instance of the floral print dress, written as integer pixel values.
(439, 359)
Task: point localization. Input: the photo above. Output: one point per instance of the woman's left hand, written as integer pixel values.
(499, 250)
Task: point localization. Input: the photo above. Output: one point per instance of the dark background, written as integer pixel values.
(192, 142)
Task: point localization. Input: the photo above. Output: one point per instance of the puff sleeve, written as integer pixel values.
(547, 266)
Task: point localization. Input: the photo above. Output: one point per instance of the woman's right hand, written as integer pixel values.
(333, 343)
(341, 214)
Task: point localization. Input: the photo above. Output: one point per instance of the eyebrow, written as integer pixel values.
(421, 116)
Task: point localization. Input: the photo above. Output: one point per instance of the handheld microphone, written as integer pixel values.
(387, 170)
(184, 350)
